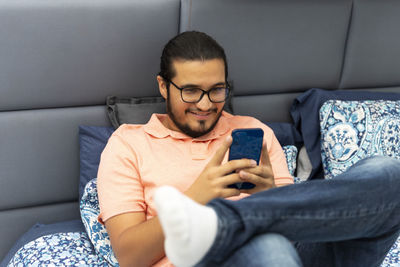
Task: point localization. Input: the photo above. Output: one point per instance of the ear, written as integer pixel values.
(162, 87)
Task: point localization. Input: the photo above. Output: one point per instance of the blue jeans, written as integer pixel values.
(351, 220)
(271, 250)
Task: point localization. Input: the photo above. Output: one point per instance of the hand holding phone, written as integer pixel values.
(216, 176)
(246, 143)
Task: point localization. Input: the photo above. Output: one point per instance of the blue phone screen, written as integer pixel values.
(246, 143)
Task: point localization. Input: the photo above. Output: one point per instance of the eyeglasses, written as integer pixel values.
(194, 94)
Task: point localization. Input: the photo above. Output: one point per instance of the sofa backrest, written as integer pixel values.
(278, 48)
(372, 55)
(274, 47)
(60, 59)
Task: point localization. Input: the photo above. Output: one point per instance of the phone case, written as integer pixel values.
(246, 143)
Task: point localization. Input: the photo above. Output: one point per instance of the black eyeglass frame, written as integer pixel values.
(227, 93)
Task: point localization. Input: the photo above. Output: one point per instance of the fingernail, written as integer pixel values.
(253, 162)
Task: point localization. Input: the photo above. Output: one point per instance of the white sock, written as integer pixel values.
(189, 228)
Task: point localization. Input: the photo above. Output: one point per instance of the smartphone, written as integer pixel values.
(246, 143)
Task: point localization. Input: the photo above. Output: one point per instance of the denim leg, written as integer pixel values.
(355, 253)
(360, 204)
(271, 250)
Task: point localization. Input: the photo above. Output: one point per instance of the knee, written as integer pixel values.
(379, 163)
(272, 241)
(275, 250)
(384, 169)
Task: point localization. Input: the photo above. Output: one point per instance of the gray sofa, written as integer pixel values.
(61, 59)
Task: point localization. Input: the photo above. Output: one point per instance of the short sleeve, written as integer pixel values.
(118, 181)
(278, 161)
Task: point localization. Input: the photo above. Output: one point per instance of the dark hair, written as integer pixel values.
(191, 45)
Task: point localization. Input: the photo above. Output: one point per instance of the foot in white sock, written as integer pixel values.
(189, 228)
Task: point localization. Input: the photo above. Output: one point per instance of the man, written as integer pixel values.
(178, 149)
(333, 220)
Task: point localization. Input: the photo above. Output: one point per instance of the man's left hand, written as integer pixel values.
(261, 176)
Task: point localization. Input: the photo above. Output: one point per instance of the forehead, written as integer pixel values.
(194, 71)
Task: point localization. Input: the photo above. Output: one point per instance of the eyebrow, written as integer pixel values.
(197, 86)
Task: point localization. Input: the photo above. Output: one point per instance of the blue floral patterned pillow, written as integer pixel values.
(291, 158)
(353, 130)
(59, 249)
(97, 233)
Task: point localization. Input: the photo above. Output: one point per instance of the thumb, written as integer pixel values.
(220, 154)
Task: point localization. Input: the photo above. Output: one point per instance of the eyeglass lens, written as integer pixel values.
(195, 94)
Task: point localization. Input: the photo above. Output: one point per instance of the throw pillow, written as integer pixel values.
(92, 140)
(354, 130)
(89, 207)
(39, 230)
(305, 114)
(136, 110)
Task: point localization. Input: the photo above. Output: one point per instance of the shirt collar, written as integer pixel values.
(155, 128)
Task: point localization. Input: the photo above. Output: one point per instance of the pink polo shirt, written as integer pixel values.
(140, 158)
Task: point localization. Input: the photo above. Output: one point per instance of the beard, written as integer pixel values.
(186, 129)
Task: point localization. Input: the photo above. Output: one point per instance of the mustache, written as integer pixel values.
(215, 110)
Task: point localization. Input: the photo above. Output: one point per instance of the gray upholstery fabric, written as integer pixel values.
(39, 156)
(373, 54)
(267, 108)
(76, 52)
(60, 59)
(15, 222)
(59, 62)
(275, 45)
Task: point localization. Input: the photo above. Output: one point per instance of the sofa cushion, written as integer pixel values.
(354, 130)
(135, 110)
(74, 53)
(96, 231)
(59, 249)
(286, 133)
(372, 49)
(305, 114)
(92, 140)
(280, 46)
(36, 231)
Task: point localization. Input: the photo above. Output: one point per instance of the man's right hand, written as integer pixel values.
(214, 180)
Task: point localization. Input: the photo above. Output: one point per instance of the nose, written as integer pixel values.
(204, 104)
